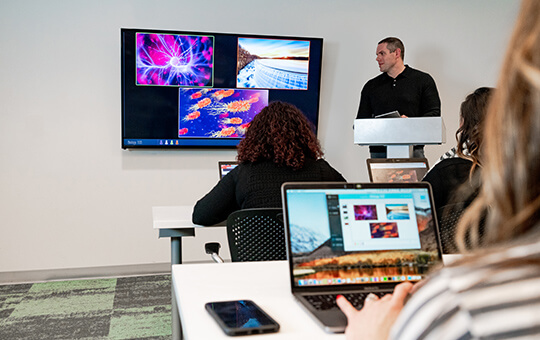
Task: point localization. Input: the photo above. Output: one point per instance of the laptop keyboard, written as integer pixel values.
(328, 301)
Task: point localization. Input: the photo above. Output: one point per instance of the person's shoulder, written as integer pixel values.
(255, 166)
(381, 76)
(455, 166)
(454, 161)
(320, 161)
(416, 73)
(452, 166)
(413, 70)
(326, 167)
(375, 80)
(264, 167)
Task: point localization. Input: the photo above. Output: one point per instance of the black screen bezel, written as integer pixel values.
(150, 112)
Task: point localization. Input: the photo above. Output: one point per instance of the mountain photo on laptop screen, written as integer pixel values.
(308, 233)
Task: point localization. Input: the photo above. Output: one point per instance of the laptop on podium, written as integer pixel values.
(389, 170)
(354, 239)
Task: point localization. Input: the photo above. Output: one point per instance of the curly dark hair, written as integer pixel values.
(280, 133)
(469, 134)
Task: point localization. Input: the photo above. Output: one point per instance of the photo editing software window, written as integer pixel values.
(373, 221)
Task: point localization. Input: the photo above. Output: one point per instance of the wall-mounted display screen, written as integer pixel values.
(198, 89)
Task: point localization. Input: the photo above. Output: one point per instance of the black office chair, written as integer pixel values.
(449, 216)
(253, 235)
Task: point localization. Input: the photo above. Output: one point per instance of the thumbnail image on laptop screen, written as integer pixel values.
(364, 233)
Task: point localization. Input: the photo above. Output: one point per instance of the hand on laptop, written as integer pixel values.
(376, 318)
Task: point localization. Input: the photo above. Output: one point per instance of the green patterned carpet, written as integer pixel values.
(119, 308)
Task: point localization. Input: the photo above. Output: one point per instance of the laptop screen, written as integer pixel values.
(341, 233)
(225, 168)
(389, 170)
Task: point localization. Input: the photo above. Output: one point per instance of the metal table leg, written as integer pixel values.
(176, 258)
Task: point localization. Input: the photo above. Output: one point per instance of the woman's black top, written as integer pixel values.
(257, 185)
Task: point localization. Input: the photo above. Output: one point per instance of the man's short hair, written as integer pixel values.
(392, 43)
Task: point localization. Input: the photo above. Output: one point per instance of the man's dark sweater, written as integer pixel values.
(413, 93)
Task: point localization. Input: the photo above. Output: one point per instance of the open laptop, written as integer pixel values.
(225, 167)
(354, 239)
(389, 170)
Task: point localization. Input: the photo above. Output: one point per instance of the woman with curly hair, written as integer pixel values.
(280, 146)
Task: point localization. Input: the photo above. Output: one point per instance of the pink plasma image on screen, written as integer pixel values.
(365, 212)
(176, 60)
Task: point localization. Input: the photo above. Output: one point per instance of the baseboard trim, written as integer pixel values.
(33, 276)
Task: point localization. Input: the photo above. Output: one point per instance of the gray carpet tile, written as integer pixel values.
(117, 308)
(10, 296)
(142, 291)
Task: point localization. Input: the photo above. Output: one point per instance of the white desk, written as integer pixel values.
(266, 283)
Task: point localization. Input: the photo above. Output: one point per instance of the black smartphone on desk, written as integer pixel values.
(241, 317)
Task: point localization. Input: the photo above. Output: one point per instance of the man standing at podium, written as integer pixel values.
(399, 88)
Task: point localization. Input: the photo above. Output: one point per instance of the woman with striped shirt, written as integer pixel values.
(493, 293)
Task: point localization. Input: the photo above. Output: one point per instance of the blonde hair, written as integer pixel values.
(510, 192)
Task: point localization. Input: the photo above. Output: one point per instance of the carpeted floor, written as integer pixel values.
(118, 308)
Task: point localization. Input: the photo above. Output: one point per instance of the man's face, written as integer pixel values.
(385, 58)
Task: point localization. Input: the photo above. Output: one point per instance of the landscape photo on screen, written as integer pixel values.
(397, 211)
(273, 63)
(174, 60)
(217, 112)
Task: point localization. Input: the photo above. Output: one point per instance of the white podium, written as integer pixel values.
(399, 134)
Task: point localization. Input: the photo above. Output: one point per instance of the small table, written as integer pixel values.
(266, 283)
(175, 222)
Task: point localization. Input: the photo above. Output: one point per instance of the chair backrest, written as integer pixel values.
(449, 216)
(256, 235)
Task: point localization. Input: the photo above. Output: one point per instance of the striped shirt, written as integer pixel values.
(495, 298)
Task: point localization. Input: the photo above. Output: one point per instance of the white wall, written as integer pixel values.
(71, 198)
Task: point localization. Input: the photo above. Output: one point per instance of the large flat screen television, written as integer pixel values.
(200, 89)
